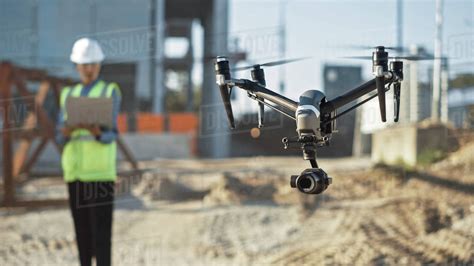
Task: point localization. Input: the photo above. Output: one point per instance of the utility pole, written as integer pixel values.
(152, 53)
(282, 72)
(399, 23)
(414, 92)
(435, 104)
(444, 91)
(156, 54)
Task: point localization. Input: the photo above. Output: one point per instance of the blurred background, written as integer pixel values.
(403, 189)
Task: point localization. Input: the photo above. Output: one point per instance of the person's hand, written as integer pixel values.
(93, 129)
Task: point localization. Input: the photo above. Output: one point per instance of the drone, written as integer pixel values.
(314, 114)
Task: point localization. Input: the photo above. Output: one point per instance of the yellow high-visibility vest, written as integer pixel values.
(84, 158)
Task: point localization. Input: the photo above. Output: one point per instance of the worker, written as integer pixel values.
(89, 158)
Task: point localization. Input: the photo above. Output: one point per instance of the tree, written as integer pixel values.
(462, 81)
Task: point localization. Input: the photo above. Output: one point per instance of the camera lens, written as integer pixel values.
(306, 183)
(311, 181)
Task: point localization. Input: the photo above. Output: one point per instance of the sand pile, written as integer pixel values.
(163, 187)
(230, 189)
(463, 157)
(217, 189)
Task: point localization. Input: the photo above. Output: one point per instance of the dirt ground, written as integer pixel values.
(243, 212)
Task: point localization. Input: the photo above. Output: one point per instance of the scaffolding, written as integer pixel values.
(36, 124)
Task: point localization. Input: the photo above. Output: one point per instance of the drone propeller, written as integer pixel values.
(408, 58)
(367, 47)
(270, 64)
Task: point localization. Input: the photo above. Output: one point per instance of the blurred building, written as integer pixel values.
(337, 81)
(461, 107)
(133, 34)
(248, 140)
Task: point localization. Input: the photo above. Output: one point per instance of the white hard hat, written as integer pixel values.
(86, 51)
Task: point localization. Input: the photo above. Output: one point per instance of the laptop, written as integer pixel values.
(89, 111)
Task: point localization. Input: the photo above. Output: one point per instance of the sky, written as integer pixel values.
(325, 29)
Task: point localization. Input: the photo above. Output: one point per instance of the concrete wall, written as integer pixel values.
(152, 146)
(404, 144)
(337, 81)
(394, 145)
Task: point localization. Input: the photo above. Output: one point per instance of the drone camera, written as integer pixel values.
(311, 181)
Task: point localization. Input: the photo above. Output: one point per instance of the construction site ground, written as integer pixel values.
(243, 212)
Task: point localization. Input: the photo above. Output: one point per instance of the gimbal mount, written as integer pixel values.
(315, 116)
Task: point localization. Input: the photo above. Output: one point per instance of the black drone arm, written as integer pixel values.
(261, 92)
(338, 102)
(384, 73)
(395, 75)
(269, 95)
(352, 95)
